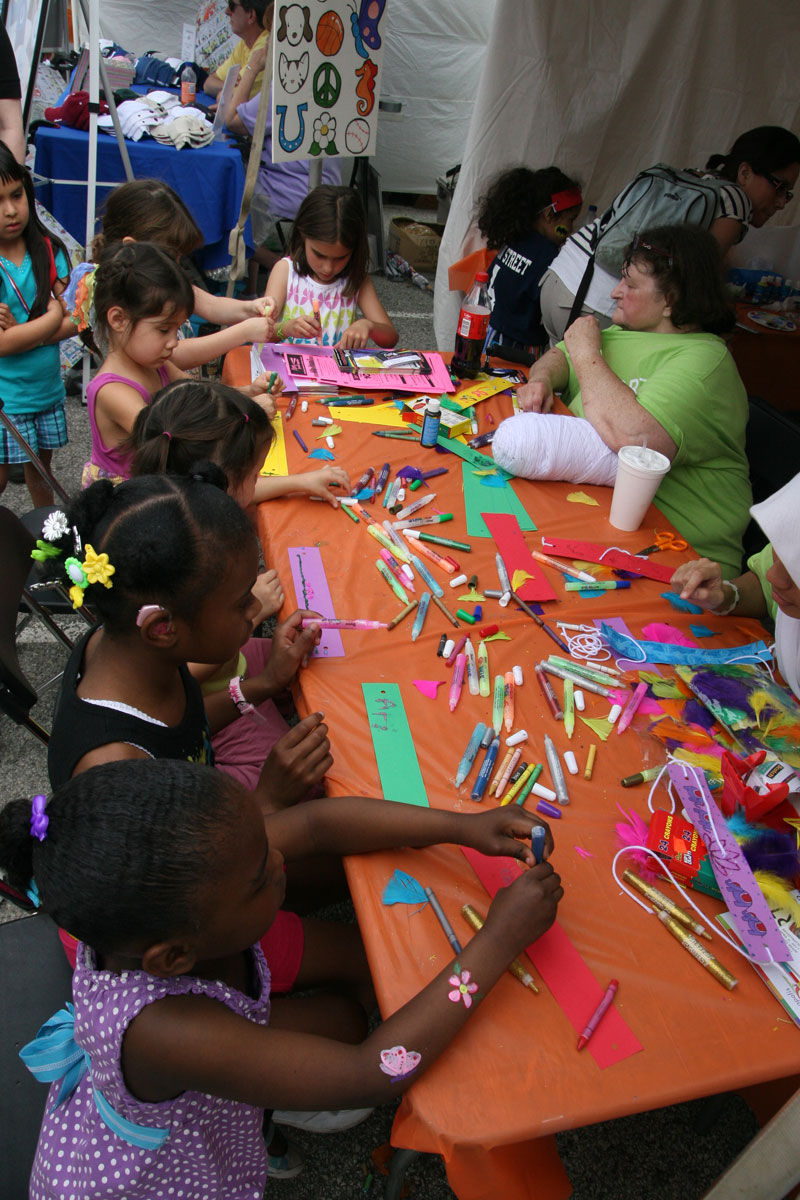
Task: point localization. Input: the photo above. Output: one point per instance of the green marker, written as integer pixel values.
(534, 775)
(483, 669)
(345, 508)
(569, 707)
(273, 375)
(451, 543)
(497, 703)
(599, 585)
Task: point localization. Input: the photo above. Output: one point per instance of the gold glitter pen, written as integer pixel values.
(473, 918)
(665, 904)
(703, 956)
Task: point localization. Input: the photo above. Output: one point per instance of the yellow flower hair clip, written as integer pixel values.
(97, 567)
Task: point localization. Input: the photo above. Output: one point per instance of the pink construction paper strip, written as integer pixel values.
(572, 984)
(508, 538)
(312, 591)
(596, 552)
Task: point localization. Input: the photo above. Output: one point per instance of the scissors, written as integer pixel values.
(665, 541)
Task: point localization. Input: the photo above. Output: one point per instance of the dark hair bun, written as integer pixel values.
(17, 844)
(208, 472)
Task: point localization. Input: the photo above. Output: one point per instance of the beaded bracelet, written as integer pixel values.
(723, 612)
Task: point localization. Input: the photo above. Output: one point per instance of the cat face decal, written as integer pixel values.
(292, 72)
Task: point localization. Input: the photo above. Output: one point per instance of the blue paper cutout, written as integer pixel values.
(403, 889)
(591, 593)
(682, 605)
(322, 454)
(495, 481)
(365, 493)
(631, 649)
(702, 631)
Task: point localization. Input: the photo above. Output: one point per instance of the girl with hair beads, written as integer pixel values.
(141, 299)
(176, 1043)
(319, 287)
(526, 216)
(33, 272)
(148, 210)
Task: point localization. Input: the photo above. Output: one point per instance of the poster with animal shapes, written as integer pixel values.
(327, 62)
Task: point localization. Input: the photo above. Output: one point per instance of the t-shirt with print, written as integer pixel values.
(238, 58)
(81, 725)
(31, 381)
(690, 384)
(514, 288)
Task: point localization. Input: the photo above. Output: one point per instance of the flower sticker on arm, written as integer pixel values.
(463, 986)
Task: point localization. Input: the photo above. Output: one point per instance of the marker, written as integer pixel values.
(599, 585)
(415, 506)
(376, 532)
(472, 669)
(587, 684)
(400, 434)
(440, 541)
(417, 522)
(366, 517)
(445, 564)
(516, 968)
(556, 772)
(346, 509)
(642, 776)
(562, 567)
(599, 1012)
(659, 900)
(508, 701)
(401, 550)
(486, 770)
(300, 441)
(630, 709)
(444, 609)
(538, 835)
(469, 755)
(443, 921)
(419, 619)
(569, 707)
(363, 481)
(497, 704)
(483, 669)
(397, 588)
(587, 774)
(511, 765)
(347, 401)
(401, 616)
(343, 623)
(698, 951)
(549, 694)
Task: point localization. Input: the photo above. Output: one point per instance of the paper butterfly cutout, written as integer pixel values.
(399, 1062)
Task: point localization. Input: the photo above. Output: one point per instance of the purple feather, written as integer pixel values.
(772, 851)
(695, 713)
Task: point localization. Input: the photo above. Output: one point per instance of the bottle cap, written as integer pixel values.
(482, 277)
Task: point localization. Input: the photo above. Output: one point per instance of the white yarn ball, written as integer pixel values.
(554, 446)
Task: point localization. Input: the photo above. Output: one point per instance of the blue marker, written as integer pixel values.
(426, 575)
(473, 746)
(422, 612)
(538, 834)
(486, 769)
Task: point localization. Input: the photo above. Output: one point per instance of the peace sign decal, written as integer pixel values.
(327, 84)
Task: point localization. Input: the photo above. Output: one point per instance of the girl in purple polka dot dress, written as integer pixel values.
(160, 1075)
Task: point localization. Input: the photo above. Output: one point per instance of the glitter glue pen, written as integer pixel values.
(458, 680)
(508, 701)
(483, 669)
(419, 620)
(548, 693)
(517, 969)
(469, 755)
(569, 707)
(336, 623)
(556, 771)
(472, 669)
(659, 900)
(415, 506)
(562, 567)
(398, 571)
(486, 770)
(538, 835)
(497, 704)
(698, 951)
(419, 566)
(629, 712)
(421, 522)
(396, 587)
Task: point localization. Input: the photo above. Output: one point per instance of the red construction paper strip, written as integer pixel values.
(507, 535)
(595, 552)
(572, 984)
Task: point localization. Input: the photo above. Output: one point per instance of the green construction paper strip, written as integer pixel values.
(599, 725)
(478, 499)
(398, 767)
(481, 461)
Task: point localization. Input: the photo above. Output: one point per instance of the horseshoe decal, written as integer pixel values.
(291, 145)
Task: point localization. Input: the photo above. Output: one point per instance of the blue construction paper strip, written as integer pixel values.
(665, 652)
(398, 767)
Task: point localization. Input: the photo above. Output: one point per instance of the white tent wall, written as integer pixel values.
(142, 25)
(605, 89)
(433, 58)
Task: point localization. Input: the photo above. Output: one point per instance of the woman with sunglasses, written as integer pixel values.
(661, 372)
(754, 180)
(250, 22)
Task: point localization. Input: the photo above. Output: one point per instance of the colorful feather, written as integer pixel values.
(633, 832)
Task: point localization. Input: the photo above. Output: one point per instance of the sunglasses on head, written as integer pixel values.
(640, 244)
(781, 186)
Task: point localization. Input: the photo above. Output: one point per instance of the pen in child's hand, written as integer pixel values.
(315, 306)
(538, 835)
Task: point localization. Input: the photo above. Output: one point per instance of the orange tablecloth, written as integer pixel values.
(512, 1078)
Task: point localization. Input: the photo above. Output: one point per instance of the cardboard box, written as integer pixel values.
(416, 242)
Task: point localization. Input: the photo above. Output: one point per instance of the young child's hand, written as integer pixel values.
(521, 913)
(291, 646)
(296, 763)
(321, 483)
(256, 329)
(302, 327)
(268, 590)
(356, 336)
(700, 582)
(499, 830)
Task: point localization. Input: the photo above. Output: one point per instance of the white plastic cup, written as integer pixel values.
(639, 473)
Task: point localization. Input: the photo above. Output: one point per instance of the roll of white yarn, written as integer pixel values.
(554, 446)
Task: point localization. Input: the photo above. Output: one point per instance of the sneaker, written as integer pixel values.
(284, 1166)
(323, 1122)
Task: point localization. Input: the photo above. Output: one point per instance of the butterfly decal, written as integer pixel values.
(364, 25)
(399, 1062)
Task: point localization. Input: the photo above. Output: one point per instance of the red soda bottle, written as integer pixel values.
(473, 323)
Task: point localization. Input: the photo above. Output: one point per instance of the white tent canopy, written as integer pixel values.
(605, 89)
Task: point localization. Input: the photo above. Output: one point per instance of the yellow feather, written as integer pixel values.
(778, 894)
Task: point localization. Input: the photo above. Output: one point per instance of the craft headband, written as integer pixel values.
(571, 198)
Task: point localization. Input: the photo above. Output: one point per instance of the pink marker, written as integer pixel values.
(458, 680)
(397, 570)
(336, 623)
(629, 712)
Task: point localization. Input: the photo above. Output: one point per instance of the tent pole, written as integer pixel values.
(112, 104)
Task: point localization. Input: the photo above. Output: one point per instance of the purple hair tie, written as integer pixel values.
(39, 818)
(246, 418)
(166, 433)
